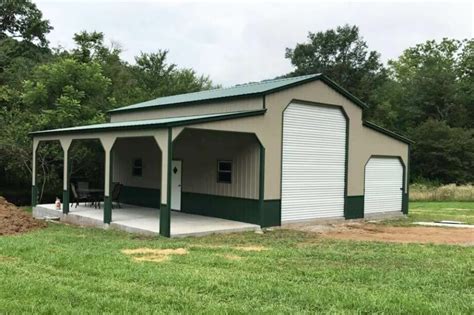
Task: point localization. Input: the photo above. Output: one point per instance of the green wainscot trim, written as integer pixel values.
(34, 196)
(271, 213)
(230, 208)
(107, 209)
(405, 203)
(139, 196)
(65, 201)
(354, 207)
(165, 220)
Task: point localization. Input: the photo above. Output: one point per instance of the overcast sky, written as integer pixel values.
(241, 41)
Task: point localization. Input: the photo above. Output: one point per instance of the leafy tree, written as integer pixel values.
(433, 81)
(23, 20)
(23, 45)
(44, 89)
(342, 55)
(159, 78)
(67, 93)
(443, 153)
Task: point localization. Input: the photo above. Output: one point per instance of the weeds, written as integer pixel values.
(451, 192)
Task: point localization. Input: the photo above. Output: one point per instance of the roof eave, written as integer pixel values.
(151, 126)
(387, 132)
(211, 100)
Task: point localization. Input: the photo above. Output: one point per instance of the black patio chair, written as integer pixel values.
(116, 194)
(78, 197)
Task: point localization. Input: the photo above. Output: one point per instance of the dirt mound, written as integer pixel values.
(364, 231)
(14, 220)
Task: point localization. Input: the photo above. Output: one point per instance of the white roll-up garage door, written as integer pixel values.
(313, 165)
(383, 185)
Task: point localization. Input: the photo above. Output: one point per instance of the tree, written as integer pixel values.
(433, 81)
(23, 20)
(343, 56)
(443, 153)
(158, 78)
(66, 93)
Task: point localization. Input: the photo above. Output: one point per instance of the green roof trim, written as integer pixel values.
(387, 132)
(238, 91)
(151, 124)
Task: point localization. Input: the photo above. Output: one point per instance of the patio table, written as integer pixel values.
(96, 194)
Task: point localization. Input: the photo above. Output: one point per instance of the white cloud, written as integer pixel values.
(237, 42)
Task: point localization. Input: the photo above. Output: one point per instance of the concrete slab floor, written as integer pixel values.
(144, 220)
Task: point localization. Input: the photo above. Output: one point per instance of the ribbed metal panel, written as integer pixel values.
(201, 149)
(383, 185)
(313, 167)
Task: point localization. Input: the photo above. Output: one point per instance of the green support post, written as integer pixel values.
(107, 209)
(165, 209)
(66, 191)
(34, 189)
(108, 199)
(34, 196)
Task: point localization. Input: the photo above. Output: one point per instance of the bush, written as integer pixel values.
(451, 192)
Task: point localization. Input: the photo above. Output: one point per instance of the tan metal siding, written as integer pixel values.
(187, 110)
(200, 163)
(363, 142)
(125, 150)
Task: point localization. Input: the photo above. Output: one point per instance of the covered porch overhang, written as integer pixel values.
(164, 131)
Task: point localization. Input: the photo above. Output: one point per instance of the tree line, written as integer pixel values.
(425, 94)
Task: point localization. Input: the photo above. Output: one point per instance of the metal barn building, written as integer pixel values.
(265, 153)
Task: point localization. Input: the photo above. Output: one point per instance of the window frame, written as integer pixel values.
(219, 171)
(135, 167)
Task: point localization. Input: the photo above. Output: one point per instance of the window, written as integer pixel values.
(137, 167)
(224, 172)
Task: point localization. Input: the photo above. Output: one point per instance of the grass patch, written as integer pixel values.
(430, 211)
(437, 211)
(67, 269)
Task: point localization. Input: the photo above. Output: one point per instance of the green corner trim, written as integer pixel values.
(272, 213)
(165, 220)
(34, 196)
(107, 209)
(354, 207)
(65, 201)
(405, 203)
(261, 186)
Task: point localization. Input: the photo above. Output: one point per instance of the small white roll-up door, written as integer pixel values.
(313, 162)
(383, 185)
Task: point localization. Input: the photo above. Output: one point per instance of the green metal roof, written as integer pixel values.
(242, 90)
(152, 123)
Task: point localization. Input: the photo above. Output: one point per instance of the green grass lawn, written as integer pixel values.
(442, 210)
(64, 269)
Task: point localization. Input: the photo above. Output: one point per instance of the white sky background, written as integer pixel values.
(241, 41)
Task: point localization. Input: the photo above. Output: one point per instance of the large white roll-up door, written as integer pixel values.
(313, 165)
(383, 185)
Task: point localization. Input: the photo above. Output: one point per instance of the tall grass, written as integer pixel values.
(451, 192)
